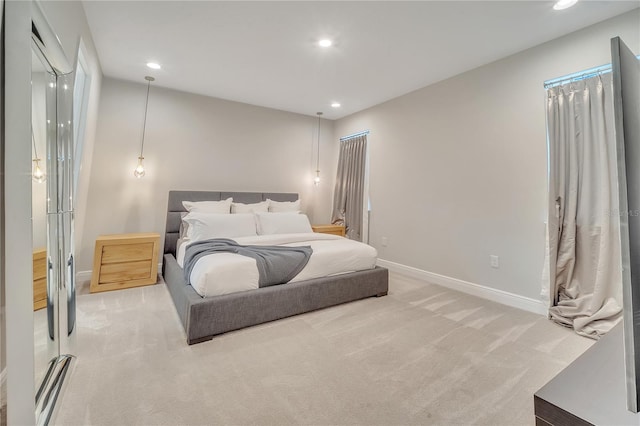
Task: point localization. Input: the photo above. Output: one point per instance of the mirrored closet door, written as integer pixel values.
(45, 349)
(52, 213)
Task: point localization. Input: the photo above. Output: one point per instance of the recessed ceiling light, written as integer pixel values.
(153, 65)
(564, 4)
(325, 42)
(335, 105)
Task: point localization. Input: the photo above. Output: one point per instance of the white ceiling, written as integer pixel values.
(265, 53)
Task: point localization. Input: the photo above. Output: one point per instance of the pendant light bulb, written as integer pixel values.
(38, 175)
(139, 171)
(316, 180)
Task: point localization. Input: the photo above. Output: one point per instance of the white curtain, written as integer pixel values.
(348, 197)
(583, 223)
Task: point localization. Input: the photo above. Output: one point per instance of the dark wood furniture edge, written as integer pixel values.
(553, 415)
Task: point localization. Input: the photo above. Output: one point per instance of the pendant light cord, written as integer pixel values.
(144, 123)
(318, 147)
(33, 138)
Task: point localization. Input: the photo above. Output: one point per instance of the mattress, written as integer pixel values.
(224, 273)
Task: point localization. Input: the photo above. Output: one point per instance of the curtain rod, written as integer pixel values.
(578, 76)
(354, 135)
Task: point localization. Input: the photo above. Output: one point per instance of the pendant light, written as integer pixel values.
(316, 180)
(37, 174)
(139, 170)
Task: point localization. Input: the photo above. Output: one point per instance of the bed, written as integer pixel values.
(205, 317)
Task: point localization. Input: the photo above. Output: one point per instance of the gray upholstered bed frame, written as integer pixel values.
(204, 318)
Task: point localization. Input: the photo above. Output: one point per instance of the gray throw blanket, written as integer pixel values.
(276, 264)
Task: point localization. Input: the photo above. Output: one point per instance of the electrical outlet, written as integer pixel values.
(494, 261)
(384, 241)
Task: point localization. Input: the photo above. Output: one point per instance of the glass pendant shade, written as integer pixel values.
(139, 171)
(316, 180)
(37, 173)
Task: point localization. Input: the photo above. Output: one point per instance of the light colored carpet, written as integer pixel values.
(422, 355)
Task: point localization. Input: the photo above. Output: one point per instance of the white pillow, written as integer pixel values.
(262, 206)
(282, 223)
(184, 226)
(223, 206)
(203, 226)
(284, 206)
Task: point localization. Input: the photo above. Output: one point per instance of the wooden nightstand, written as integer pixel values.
(124, 261)
(39, 278)
(329, 229)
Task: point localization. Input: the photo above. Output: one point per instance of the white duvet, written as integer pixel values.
(224, 273)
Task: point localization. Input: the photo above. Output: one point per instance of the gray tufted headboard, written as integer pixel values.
(175, 207)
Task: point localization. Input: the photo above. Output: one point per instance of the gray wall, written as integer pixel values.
(459, 168)
(199, 143)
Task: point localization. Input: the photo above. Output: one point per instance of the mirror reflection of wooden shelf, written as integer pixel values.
(329, 229)
(39, 278)
(125, 261)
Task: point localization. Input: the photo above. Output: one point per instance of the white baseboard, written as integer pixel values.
(495, 295)
(83, 276)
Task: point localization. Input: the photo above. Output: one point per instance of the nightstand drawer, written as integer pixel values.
(39, 290)
(126, 253)
(39, 279)
(39, 264)
(124, 261)
(129, 271)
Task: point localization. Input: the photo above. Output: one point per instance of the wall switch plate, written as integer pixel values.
(384, 241)
(494, 261)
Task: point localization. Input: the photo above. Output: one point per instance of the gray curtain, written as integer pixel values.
(583, 228)
(348, 196)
